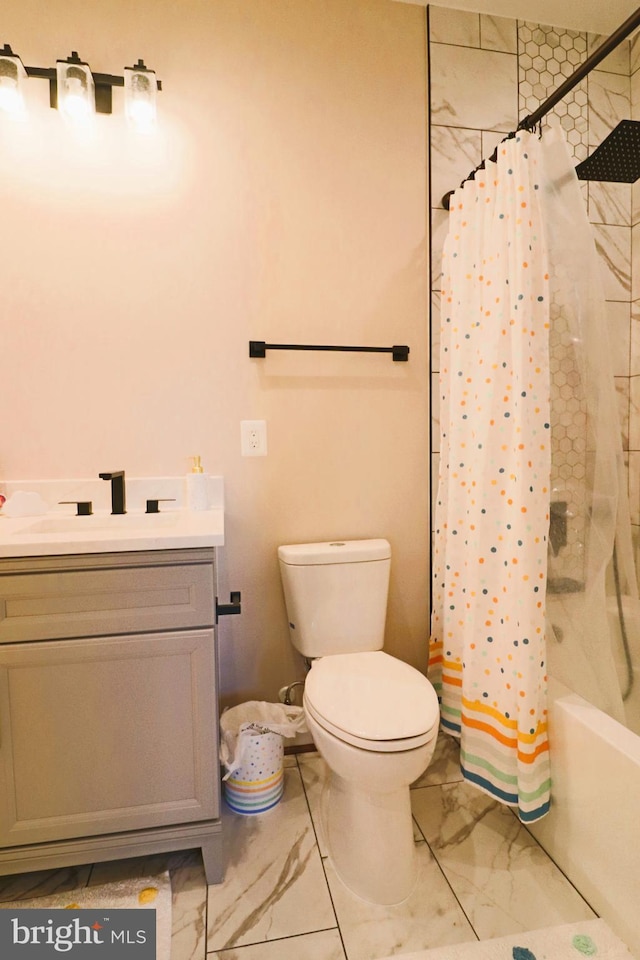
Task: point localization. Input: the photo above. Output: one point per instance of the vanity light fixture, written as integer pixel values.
(77, 92)
(12, 78)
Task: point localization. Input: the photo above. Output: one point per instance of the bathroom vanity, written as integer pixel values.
(108, 695)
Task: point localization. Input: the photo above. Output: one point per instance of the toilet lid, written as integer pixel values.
(372, 697)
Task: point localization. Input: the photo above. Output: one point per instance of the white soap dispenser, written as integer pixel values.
(197, 487)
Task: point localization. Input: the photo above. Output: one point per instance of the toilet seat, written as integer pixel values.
(372, 700)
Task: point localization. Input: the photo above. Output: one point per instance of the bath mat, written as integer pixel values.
(571, 941)
(142, 892)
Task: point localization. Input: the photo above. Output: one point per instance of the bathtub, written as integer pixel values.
(593, 829)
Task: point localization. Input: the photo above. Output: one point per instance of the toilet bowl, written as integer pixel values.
(373, 718)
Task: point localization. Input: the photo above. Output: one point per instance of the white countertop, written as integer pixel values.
(54, 534)
(56, 530)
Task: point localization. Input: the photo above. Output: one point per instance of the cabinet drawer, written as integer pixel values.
(96, 602)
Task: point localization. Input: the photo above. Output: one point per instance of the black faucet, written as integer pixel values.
(118, 498)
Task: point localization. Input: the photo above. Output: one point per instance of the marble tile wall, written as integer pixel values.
(470, 109)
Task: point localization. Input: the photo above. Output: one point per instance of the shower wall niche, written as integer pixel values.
(486, 73)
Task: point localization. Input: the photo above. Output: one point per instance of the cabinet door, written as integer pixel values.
(107, 735)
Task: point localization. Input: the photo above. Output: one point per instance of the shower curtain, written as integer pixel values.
(487, 651)
(520, 281)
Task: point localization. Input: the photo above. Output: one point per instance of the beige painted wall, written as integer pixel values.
(283, 199)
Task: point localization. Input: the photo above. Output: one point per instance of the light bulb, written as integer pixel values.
(74, 99)
(12, 74)
(76, 91)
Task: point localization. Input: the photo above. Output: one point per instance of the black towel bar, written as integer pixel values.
(258, 348)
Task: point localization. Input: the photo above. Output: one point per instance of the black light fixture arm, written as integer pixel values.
(258, 348)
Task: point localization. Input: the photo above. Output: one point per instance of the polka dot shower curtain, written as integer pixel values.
(487, 652)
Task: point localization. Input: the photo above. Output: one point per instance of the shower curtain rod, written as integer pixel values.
(530, 122)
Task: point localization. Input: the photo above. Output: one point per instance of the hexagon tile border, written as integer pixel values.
(570, 458)
(546, 55)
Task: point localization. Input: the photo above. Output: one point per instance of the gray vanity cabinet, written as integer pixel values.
(108, 708)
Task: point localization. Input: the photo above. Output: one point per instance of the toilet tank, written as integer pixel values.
(336, 595)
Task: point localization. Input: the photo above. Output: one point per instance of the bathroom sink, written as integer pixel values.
(55, 534)
(124, 522)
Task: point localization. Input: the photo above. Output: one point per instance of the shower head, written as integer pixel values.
(617, 159)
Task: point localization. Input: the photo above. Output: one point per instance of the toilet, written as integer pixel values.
(373, 718)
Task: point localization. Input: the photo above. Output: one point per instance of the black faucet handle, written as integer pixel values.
(153, 505)
(84, 508)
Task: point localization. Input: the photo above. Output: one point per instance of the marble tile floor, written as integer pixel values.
(481, 875)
